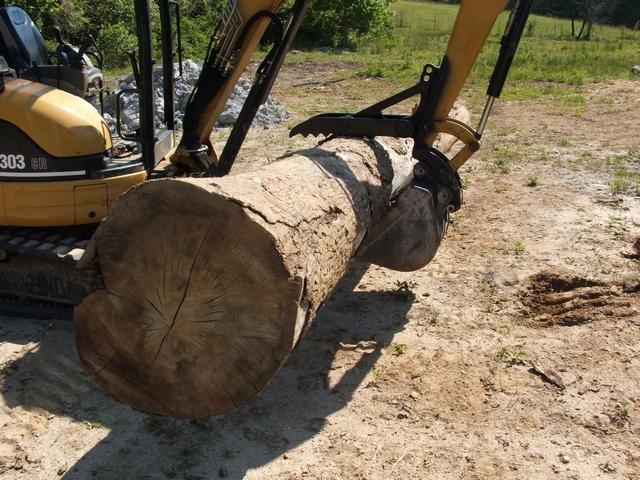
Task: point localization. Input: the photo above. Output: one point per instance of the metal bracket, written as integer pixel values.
(462, 132)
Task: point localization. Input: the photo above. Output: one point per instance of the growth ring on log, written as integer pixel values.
(222, 295)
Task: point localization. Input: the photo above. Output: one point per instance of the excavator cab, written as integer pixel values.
(27, 55)
(57, 162)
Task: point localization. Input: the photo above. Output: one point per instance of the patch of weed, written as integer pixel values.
(405, 290)
(490, 306)
(400, 348)
(152, 423)
(620, 415)
(434, 317)
(543, 155)
(533, 182)
(604, 268)
(190, 456)
(169, 427)
(513, 357)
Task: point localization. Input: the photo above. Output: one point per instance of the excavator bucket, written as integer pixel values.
(408, 235)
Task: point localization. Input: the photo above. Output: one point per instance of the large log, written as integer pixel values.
(210, 283)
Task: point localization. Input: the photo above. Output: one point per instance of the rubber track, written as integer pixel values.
(54, 244)
(16, 307)
(42, 243)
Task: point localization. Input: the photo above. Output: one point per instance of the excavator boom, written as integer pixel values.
(409, 235)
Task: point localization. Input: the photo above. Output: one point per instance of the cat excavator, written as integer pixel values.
(60, 172)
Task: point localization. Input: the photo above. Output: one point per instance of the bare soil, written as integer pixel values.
(514, 354)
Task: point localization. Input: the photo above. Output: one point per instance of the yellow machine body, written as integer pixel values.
(43, 127)
(60, 123)
(67, 203)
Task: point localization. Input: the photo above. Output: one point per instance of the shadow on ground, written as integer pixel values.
(293, 409)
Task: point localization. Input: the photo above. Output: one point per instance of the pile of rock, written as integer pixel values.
(271, 113)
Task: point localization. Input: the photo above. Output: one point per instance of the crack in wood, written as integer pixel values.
(184, 294)
(105, 366)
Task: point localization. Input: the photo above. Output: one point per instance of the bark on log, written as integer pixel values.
(210, 283)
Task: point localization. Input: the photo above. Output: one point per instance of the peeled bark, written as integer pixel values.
(210, 283)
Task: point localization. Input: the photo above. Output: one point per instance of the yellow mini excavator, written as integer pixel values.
(59, 175)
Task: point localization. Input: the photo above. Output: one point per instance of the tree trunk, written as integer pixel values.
(345, 33)
(210, 283)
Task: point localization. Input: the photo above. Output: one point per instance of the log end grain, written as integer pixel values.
(186, 342)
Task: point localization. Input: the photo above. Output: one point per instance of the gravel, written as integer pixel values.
(271, 113)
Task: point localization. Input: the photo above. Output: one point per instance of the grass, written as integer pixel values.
(548, 53)
(512, 357)
(625, 176)
(400, 348)
(405, 291)
(547, 62)
(434, 317)
(548, 59)
(533, 182)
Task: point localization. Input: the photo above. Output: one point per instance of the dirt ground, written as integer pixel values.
(514, 354)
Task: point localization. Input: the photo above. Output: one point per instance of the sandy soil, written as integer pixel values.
(514, 354)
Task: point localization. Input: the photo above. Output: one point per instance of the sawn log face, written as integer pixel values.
(210, 283)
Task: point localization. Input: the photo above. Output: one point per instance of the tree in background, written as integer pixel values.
(584, 14)
(112, 24)
(338, 22)
(42, 12)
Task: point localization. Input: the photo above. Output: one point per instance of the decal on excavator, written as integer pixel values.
(12, 162)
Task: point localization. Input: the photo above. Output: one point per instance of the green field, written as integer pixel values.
(550, 67)
(548, 60)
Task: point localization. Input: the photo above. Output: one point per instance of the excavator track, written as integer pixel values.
(38, 274)
(17, 307)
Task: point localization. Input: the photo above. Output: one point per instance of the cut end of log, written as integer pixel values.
(207, 333)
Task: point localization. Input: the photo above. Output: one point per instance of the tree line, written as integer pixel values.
(584, 14)
(329, 23)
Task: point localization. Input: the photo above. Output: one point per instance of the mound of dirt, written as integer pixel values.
(555, 298)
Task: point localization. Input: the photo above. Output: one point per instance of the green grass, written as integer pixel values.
(548, 60)
(624, 172)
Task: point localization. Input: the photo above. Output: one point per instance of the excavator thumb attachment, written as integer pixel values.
(408, 235)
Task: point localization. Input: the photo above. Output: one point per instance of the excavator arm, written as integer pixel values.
(408, 237)
(241, 27)
(419, 216)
